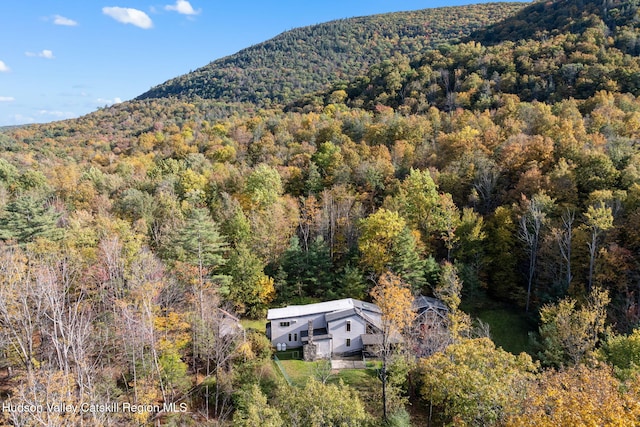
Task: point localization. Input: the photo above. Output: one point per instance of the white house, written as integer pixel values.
(334, 327)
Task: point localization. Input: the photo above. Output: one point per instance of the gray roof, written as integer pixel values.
(422, 303)
(371, 316)
(376, 339)
(320, 307)
(335, 315)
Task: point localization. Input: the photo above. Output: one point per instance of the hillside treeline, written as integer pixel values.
(308, 59)
(531, 203)
(483, 174)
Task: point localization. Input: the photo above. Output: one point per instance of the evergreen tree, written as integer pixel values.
(406, 261)
(308, 273)
(319, 268)
(352, 284)
(250, 290)
(501, 260)
(199, 241)
(28, 218)
(200, 244)
(387, 243)
(313, 183)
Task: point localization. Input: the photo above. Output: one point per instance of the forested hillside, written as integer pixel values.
(594, 50)
(307, 59)
(499, 171)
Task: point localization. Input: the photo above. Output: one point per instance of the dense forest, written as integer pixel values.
(497, 173)
(307, 59)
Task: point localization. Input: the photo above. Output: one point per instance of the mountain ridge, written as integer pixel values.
(556, 17)
(305, 59)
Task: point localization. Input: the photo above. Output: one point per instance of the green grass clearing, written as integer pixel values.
(509, 329)
(509, 326)
(299, 371)
(258, 325)
(359, 379)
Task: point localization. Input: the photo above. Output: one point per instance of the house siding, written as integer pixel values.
(324, 350)
(338, 330)
(329, 320)
(280, 334)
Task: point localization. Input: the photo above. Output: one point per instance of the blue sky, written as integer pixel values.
(65, 58)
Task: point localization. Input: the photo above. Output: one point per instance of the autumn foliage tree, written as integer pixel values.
(127, 235)
(581, 395)
(387, 243)
(569, 333)
(474, 383)
(394, 299)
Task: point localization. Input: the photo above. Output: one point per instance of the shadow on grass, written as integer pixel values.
(510, 327)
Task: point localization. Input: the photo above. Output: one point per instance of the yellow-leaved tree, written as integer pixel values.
(379, 232)
(394, 298)
(569, 334)
(579, 396)
(474, 383)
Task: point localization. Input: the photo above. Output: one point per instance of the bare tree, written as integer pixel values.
(68, 318)
(430, 334)
(112, 264)
(41, 390)
(309, 215)
(322, 371)
(531, 223)
(135, 319)
(21, 306)
(485, 183)
(564, 236)
(339, 211)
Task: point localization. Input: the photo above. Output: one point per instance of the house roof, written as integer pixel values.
(422, 303)
(319, 334)
(370, 316)
(334, 315)
(229, 324)
(320, 307)
(377, 339)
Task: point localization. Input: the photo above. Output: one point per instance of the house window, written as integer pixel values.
(289, 337)
(348, 342)
(295, 337)
(284, 324)
(348, 325)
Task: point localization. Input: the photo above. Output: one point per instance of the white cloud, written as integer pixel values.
(57, 114)
(103, 101)
(4, 68)
(61, 20)
(7, 99)
(183, 7)
(47, 54)
(129, 16)
(19, 119)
